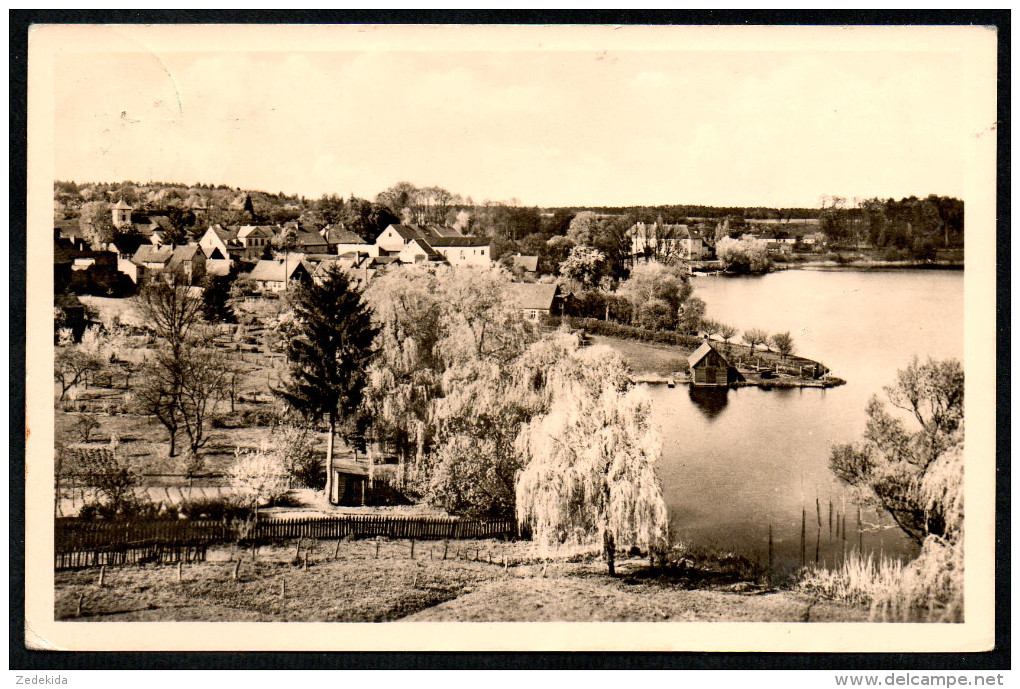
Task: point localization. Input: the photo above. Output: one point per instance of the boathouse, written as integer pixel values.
(708, 366)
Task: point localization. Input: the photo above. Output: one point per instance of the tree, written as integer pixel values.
(110, 474)
(203, 376)
(590, 461)
(710, 327)
(158, 393)
(584, 265)
(692, 315)
(170, 309)
(652, 281)
(295, 446)
(584, 228)
(448, 341)
(398, 197)
(216, 299)
(72, 366)
(183, 380)
(755, 337)
(96, 224)
(743, 255)
(727, 333)
(329, 351)
(259, 477)
(783, 343)
(904, 470)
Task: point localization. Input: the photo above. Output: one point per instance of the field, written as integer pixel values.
(357, 585)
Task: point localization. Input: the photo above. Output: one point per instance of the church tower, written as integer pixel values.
(121, 214)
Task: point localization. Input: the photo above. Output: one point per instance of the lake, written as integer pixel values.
(735, 461)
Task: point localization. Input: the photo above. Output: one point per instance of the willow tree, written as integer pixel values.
(329, 351)
(590, 472)
(441, 331)
(405, 377)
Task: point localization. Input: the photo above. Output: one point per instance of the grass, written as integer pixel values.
(647, 357)
(928, 589)
(357, 586)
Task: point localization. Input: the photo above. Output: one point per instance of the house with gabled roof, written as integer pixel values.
(274, 275)
(255, 236)
(153, 258)
(535, 299)
(710, 368)
(189, 261)
(664, 241)
(343, 241)
(455, 248)
(462, 250)
(219, 238)
(526, 264)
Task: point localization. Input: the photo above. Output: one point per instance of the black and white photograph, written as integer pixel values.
(470, 325)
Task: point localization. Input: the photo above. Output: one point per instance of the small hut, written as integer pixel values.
(708, 366)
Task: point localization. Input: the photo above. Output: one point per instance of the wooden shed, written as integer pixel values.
(708, 366)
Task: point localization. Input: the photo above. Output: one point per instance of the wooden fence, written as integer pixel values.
(82, 543)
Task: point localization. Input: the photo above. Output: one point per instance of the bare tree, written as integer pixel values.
(72, 366)
(783, 343)
(204, 379)
(159, 392)
(755, 337)
(727, 332)
(171, 308)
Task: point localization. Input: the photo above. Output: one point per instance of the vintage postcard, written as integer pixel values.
(511, 338)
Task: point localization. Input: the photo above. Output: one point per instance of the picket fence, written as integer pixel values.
(82, 543)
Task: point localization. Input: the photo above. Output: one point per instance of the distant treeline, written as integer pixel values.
(918, 226)
(681, 213)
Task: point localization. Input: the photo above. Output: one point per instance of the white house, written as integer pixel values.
(463, 251)
(665, 241)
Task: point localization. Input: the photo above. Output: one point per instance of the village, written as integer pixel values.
(432, 324)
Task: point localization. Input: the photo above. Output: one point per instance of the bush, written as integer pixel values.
(259, 417)
(213, 508)
(629, 332)
(296, 448)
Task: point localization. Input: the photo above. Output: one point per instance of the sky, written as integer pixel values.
(549, 128)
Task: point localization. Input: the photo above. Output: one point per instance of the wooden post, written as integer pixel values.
(297, 551)
(412, 548)
(306, 560)
(376, 547)
(803, 534)
(180, 571)
(860, 533)
(283, 588)
(336, 551)
(81, 599)
(769, 581)
(843, 537)
(830, 520)
(446, 546)
(102, 576)
(237, 568)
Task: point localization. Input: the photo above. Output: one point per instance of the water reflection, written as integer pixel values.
(709, 401)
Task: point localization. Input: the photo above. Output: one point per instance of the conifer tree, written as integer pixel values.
(329, 352)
